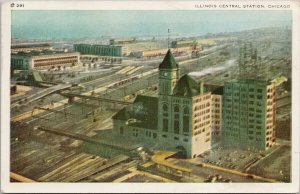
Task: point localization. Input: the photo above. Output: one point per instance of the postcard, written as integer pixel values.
(150, 96)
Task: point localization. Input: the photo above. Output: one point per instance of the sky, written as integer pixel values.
(82, 24)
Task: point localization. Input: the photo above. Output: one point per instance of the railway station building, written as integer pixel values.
(249, 114)
(179, 119)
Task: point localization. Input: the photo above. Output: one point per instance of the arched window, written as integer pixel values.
(176, 108)
(186, 120)
(186, 110)
(165, 107)
(176, 119)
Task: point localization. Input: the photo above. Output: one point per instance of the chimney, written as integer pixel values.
(201, 87)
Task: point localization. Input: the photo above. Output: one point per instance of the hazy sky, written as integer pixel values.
(78, 24)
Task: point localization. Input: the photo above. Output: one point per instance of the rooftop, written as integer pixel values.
(186, 87)
(106, 45)
(250, 81)
(36, 53)
(143, 111)
(214, 89)
(168, 62)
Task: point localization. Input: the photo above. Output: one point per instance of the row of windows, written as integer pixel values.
(176, 109)
(217, 105)
(217, 122)
(217, 99)
(252, 138)
(231, 134)
(243, 101)
(199, 131)
(185, 123)
(135, 133)
(175, 138)
(257, 133)
(202, 98)
(55, 59)
(201, 124)
(269, 132)
(55, 63)
(216, 111)
(99, 50)
(259, 90)
(202, 106)
(201, 113)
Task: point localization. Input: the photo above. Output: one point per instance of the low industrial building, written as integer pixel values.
(249, 114)
(122, 41)
(100, 50)
(182, 43)
(43, 60)
(159, 52)
(30, 47)
(178, 119)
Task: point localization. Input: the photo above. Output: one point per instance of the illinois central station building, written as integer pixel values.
(187, 114)
(178, 119)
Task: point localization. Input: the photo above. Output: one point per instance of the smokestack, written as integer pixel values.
(201, 87)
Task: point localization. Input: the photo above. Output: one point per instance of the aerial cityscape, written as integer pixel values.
(163, 96)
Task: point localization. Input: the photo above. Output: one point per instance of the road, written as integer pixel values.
(42, 94)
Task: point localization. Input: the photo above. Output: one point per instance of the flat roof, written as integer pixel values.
(250, 81)
(107, 45)
(160, 157)
(36, 53)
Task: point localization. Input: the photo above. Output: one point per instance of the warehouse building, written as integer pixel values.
(182, 43)
(178, 119)
(43, 60)
(30, 47)
(160, 52)
(249, 114)
(101, 50)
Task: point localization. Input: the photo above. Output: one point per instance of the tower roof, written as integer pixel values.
(144, 110)
(169, 62)
(187, 87)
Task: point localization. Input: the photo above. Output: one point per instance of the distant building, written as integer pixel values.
(30, 47)
(179, 119)
(159, 52)
(122, 41)
(249, 114)
(43, 60)
(184, 43)
(101, 50)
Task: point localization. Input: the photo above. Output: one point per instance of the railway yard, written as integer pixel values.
(63, 133)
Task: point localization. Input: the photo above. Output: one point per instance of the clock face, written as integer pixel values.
(165, 74)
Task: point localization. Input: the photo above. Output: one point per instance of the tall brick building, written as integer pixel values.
(249, 114)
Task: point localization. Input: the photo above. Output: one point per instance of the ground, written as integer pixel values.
(277, 165)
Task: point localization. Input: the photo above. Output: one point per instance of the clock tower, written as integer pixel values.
(168, 74)
(168, 77)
